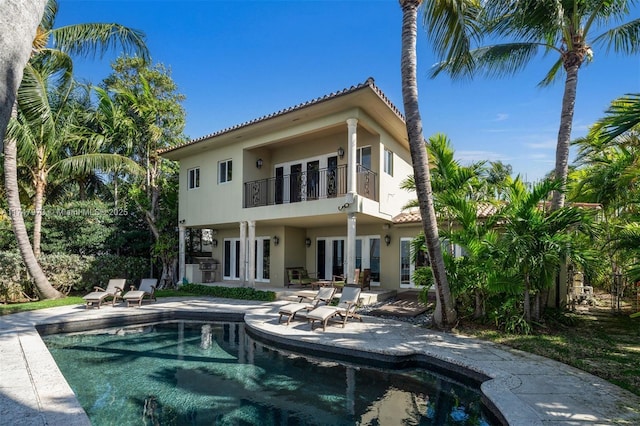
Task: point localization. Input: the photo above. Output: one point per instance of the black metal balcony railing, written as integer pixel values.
(308, 185)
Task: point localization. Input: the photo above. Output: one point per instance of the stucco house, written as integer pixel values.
(316, 185)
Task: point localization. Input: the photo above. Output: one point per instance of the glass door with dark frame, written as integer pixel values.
(295, 183)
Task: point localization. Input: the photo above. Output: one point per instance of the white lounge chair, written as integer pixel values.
(147, 288)
(322, 297)
(98, 295)
(346, 308)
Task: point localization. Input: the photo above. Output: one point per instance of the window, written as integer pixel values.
(224, 171)
(388, 162)
(363, 157)
(194, 178)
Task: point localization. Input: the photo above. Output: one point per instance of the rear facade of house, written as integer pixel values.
(314, 186)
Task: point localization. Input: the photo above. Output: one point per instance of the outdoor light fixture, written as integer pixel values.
(341, 152)
(214, 243)
(387, 239)
(259, 163)
(276, 240)
(181, 221)
(308, 242)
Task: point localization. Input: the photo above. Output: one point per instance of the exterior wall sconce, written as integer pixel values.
(276, 240)
(341, 152)
(259, 163)
(307, 242)
(181, 221)
(387, 239)
(214, 243)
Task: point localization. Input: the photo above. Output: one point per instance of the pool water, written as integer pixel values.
(210, 373)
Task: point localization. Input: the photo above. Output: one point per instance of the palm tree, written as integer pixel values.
(74, 39)
(534, 243)
(450, 25)
(563, 27)
(47, 130)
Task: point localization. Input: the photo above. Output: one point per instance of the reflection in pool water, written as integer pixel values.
(207, 373)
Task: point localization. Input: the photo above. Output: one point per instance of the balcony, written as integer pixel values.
(307, 186)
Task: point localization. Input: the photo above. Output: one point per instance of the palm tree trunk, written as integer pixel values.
(18, 23)
(445, 315)
(45, 288)
(37, 217)
(527, 299)
(479, 305)
(564, 134)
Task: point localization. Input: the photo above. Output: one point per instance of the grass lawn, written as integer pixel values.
(598, 341)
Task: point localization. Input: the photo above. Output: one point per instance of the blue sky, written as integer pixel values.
(238, 60)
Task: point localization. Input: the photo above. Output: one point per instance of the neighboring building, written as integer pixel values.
(316, 185)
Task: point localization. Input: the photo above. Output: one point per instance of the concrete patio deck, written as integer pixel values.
(527, 389)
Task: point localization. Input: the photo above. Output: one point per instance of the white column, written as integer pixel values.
(352, 124)
(351, 248)
(242, 261)
(182, 270)
(252, 253)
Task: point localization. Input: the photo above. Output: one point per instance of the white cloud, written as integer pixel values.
(501, 117)
(470, 156)
(548, 144)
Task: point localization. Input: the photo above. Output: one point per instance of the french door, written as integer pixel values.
(231, 261)
(331, 256)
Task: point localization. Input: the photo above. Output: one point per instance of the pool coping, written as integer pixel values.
(526, 389)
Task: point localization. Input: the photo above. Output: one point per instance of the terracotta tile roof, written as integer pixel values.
(368, 83)
(484, 210)
(413, 216)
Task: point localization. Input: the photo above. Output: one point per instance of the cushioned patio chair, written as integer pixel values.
(299, 276)
(114, 291)
(147, 288)
(364, 279)
(346, 309)
(341, 280)
(322, 297)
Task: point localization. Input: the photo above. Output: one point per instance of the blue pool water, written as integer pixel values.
(211, 373)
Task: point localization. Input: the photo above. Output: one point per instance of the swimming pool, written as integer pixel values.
(215, 373)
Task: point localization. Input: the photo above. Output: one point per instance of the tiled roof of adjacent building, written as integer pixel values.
(484, 210)
(368, 83)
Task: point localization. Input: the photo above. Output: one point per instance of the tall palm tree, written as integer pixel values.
(48, 130)
(446, 24)
(18, 23)
(563, 27)
(74, 39)
(445, 315)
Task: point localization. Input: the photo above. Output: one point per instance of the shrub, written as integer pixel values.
(68, 272)
(423, 277)
(243, 293)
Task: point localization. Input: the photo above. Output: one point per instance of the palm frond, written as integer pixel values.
(98, 38)
(623, 39)
(88, 163)
(622, 116)
(452, 26)
(552, 75)
(49, 16)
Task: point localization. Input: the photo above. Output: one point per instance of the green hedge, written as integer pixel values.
(244, 293)
(68, 273)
